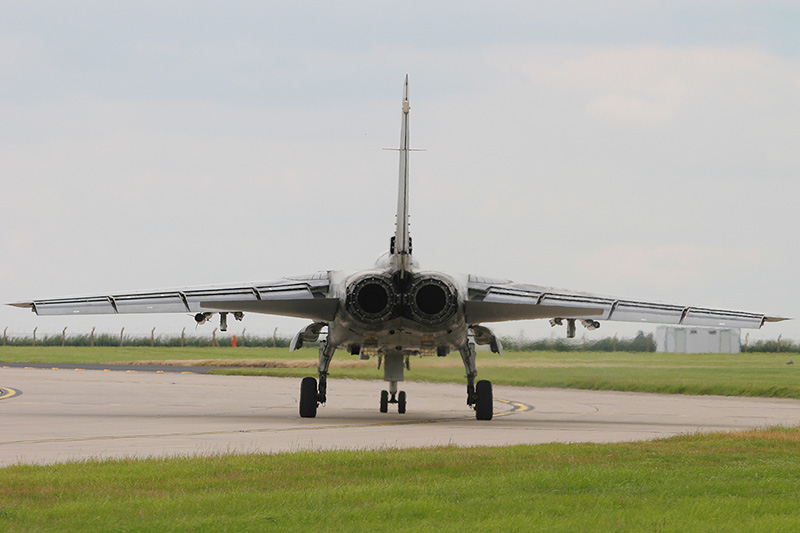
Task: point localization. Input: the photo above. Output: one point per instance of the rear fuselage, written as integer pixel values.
(386, 310)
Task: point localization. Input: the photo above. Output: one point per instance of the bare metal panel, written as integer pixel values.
(710, 317)
(85, 306)
(149, 303)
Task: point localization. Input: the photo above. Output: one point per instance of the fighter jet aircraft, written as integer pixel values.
(396, 310)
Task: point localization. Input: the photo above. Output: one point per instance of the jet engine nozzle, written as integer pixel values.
(371, 299)
(432, 300)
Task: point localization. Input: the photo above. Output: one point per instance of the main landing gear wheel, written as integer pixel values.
(399, 399)
(308, 398)
(483, 403)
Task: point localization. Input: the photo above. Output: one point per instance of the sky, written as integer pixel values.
(640, 149)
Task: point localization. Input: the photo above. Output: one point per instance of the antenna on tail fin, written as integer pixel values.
(401, 244)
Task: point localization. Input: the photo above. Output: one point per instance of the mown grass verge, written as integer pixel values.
(716, 482)
(766, 375)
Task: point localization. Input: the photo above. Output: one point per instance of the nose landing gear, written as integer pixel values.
(396, 397)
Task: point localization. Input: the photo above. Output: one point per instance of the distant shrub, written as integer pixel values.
(772, 346)
(640, 343)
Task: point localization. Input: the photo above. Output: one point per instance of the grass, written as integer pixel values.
(717, 482)
(115, 354)
(765, 375)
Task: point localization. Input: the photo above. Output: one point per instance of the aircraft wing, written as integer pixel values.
(498, 300)
(300, 296)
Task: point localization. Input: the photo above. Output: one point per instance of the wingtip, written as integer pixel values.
(776, 318)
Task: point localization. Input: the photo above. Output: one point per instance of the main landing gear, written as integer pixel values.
(483, 400)
(308, 398)
(479, 396)
(311, 393)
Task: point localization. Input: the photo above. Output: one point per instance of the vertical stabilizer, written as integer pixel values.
(402, 240)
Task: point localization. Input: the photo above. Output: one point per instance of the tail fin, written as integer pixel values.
(401, 245)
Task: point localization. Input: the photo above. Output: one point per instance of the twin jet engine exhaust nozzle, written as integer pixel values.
(429, 300)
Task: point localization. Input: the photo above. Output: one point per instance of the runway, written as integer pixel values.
(62, 415)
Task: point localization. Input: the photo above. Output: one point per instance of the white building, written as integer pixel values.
(680, 339)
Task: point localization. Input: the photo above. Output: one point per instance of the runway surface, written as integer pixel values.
(65, 415)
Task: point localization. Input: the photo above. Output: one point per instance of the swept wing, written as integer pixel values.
(296, 296)
(500, 300)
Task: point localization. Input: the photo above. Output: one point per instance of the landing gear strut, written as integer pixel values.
(311, 393)
(479, 396)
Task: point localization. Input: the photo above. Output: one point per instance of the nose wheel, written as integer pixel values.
(395, 398)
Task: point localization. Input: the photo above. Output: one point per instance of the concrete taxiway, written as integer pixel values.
(55, 415)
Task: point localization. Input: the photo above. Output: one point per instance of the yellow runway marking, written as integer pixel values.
(518, 407)
(6, 393)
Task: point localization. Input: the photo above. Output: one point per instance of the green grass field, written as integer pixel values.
(720, 482)
(766, 375)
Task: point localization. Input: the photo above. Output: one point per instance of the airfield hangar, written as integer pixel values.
(678, 339)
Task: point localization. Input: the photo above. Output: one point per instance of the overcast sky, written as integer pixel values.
(641, 149)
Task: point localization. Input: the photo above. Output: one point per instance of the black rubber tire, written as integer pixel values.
(308, 398)
(384, 401)
(401, 402)
(483, 405)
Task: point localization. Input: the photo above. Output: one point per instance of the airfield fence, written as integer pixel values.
(640, 343)
(152, 340)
